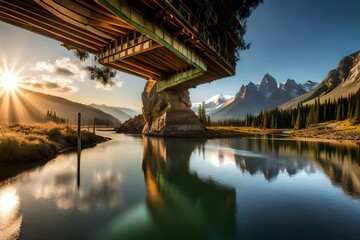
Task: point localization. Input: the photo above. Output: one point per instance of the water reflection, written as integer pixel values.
(60, 182)
(179, 204)
(10, 217)
(340, 162)
(186, 204)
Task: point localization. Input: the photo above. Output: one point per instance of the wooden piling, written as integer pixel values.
(94, 126)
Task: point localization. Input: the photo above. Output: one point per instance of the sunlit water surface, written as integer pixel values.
(154, 188)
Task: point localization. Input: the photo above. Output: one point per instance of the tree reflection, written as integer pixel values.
(340, 162)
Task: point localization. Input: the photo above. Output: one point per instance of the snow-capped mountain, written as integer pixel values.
(309, 85)
(212, 103)
(253, 98)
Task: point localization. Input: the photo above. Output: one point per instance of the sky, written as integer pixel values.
(297, 39)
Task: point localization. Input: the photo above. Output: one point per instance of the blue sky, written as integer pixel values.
(298, 39)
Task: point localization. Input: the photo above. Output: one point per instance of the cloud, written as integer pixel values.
(60, 76)
(109, 87)
(48, 86)
(63, 75)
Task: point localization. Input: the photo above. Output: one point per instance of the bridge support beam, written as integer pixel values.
(168, 113)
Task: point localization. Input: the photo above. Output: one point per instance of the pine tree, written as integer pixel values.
(310, 117)
(298, 123)
(357, 110)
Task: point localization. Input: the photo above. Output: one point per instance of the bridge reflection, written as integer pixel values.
(187, 205)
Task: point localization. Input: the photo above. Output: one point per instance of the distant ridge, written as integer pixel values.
(342, 81)
(29, 107)
(117, 112)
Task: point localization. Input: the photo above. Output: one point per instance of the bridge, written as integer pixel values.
(162, 41)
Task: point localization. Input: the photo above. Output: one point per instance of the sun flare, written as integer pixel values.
(8, 81)
(8, 77)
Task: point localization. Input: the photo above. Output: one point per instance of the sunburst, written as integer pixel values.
(8, 77)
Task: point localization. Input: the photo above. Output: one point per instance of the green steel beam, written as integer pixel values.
(178, 78)
(147, 27)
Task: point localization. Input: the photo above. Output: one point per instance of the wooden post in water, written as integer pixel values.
(79, 149)
(79, 132)
(94, 126)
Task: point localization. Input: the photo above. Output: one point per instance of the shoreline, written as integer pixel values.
(23, 147)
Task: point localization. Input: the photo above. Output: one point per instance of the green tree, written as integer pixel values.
(81, 55)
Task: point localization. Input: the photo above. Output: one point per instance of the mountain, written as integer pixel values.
(309, 85)
(27, 107)
(129, 111)
(253, 98)
(342, 81)
(212, 103)
(117, 112)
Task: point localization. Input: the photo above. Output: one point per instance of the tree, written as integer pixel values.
(357, 110)
(81, 55)
(299, 119)
(104, 75)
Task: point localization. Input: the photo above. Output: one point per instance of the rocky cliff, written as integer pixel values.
(341, 81)
(168, 112)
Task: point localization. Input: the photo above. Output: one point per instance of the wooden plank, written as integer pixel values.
(49, 5)
(49, 30)
(91, 14)
(43, 33)
(45, 17)
(130, 70)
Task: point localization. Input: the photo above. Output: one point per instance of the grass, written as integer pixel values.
(26, 143)
(237, 131)
(348, 129)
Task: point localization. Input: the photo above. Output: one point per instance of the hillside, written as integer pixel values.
(114, 111)
(27, 107)
(342, 81)
(253, 98)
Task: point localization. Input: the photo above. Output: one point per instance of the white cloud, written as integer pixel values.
(108, 87)
(60, 76)
(63, 75)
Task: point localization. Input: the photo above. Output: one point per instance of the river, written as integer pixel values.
(135, 187)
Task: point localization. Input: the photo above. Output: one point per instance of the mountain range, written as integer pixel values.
(27, 107)
(253, 98)
(120, 113)
(341, 81)
(212, 103)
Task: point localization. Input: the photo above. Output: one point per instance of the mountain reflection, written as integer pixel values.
(187, 205)
(338, 161)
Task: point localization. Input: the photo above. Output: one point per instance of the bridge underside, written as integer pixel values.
(149, 39)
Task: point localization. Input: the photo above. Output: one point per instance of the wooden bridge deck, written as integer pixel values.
(149, 39)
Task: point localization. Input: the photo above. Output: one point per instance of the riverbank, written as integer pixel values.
(39, 142)
(347, 130)
(229, 131)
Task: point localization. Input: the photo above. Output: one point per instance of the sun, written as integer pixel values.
(8, 80)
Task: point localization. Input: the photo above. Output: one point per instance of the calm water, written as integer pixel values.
(154, 188)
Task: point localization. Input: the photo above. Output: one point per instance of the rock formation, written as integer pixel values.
(169, 112)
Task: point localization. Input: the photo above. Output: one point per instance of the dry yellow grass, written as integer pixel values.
(25, 143)
(229, 130)
(348, 129)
